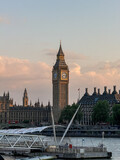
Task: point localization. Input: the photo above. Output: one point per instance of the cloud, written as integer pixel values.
(98, 75)
(13, 67)
(75, 69)
(50, 52)
(4, 20)
(17, 74)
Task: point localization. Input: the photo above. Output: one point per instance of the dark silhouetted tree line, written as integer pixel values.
(68, 112)
(103, 114)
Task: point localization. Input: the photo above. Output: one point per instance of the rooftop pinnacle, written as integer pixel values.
(60, 52)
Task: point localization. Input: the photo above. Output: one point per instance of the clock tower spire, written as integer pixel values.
(60, 80)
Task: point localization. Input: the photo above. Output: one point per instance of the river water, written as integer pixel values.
(112, 144)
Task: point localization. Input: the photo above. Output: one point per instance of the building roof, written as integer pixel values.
(112, 98)
(60, 52)
(60, 62)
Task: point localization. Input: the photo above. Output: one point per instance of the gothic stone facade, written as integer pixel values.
(88, 101)
(60, 80)
(5, 103)
(35, 114)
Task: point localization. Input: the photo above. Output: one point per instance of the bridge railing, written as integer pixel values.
(22, 141)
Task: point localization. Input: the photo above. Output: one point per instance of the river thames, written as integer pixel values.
(112, 144)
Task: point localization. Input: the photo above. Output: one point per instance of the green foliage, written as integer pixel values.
(101, 112)
(68, 112)
(111, 119)
(116, 114)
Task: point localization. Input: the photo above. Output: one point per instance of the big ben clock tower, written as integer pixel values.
(60, 80)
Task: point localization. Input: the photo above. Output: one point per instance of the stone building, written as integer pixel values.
(34, 114)
(60, 80)
(25, 98)
(88, 101)
(5, 103)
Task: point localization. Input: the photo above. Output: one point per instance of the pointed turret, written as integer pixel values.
(38, 103)
(60, 52)
(25, 98)
(60, 59)
(8, 95)
(41, 104)
(25, 92)
(4, 94)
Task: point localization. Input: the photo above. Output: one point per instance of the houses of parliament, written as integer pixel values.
(34, 114)
(39, 114)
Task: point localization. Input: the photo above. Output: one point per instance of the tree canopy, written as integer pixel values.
(68, 112)
(101, 112)
(116, 114)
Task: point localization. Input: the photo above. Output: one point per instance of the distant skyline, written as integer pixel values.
(30, 34)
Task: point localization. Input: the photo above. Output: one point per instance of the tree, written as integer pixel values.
(116, 114)
(68, 112)
(101, 112)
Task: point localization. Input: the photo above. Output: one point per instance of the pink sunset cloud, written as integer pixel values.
(107, 74)
(17, 74)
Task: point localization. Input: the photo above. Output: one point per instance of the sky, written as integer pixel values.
(30, 35)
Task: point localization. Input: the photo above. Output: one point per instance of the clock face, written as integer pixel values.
(55, 75)
(64, 75)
